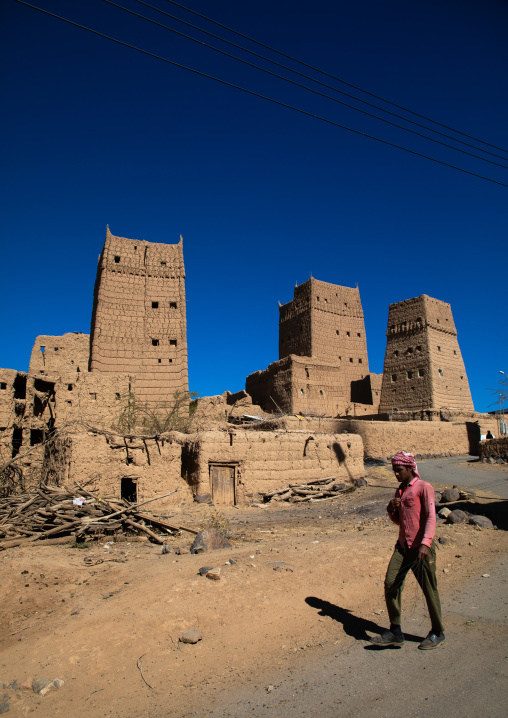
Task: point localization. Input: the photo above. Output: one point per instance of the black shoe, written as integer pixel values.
(388, 639)
(432, 641)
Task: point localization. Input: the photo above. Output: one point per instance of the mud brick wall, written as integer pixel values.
(271, 388)
(55, 355)
(306, 385)
(494, 449)
(384, 438)
(139, 316)
(95, 399)
(423, 366)
(265, 461)
(101, 464)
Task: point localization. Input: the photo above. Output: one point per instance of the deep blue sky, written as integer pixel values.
(95, 134)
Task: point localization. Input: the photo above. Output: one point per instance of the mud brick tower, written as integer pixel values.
(325, 321)
(423, 365)
(323, 365)
(139, 316)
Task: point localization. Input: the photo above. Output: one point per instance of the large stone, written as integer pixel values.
(361, 482)
(213, 574)
(40, 684)
(457, 517)
(450, 495)
(4, 707)
(203, 498)
(482, 521)
(209, 540)
(444, 512)
(191, 636)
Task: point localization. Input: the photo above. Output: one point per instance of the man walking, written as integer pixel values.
(413, 510)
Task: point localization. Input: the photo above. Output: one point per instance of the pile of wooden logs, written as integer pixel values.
(58, 515)
(317, 490)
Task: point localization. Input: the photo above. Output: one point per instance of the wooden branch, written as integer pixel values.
(144, 529)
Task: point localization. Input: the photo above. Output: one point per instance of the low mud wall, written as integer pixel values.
(260, 461)
(385, 438)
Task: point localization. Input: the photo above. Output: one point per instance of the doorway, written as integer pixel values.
(222, 483)
(129, 490)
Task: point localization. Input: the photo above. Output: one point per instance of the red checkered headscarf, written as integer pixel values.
(404, 458)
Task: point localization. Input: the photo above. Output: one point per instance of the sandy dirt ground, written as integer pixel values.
(106, 619)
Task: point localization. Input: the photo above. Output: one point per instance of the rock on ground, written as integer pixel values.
(209, 540)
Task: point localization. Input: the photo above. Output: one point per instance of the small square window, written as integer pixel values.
(159, 361)
(172, 342)
(55, 349)
(348, 334)
(359, 361)
(418, 348)
(170, 361)
(317, 298)
(394, 377)
(155, 342)
(358, 334)
(455, 351)
(396, 353)
(117, 259)
(155, 305)
(409, 374)
(440, 372)
(439, 349)
(93, 396)
(117, 395)
(351, 359)
(172, 305)
(3, 385)
(337, 332)
(163, 264)
(301, 391)
(69, 387)
(43, 349)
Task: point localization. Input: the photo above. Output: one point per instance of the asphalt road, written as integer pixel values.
(453, 470)
(466, 677)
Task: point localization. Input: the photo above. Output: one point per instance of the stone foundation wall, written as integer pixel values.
(494, 450)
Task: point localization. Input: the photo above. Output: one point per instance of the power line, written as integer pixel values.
(304, 87)
(334, 77)
(256, 94)
(300, 74)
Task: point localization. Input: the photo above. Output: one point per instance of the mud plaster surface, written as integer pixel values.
(137, 602)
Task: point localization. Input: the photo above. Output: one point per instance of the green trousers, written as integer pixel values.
(402, 561)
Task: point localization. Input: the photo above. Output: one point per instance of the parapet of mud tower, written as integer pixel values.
(423, 366)
(139, 316)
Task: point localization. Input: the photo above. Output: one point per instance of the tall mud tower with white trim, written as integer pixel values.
(139, 316)
(423, 366)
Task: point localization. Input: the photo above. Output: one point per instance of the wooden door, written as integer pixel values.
(223, 484)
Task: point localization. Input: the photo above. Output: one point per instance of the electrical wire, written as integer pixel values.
(256, 94)
(333, 77)
(304, 87)
(301, 74)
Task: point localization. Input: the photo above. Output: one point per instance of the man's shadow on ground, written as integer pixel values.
(354, 626)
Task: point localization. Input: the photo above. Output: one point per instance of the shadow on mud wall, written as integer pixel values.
(341, 458)
(473, 437)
